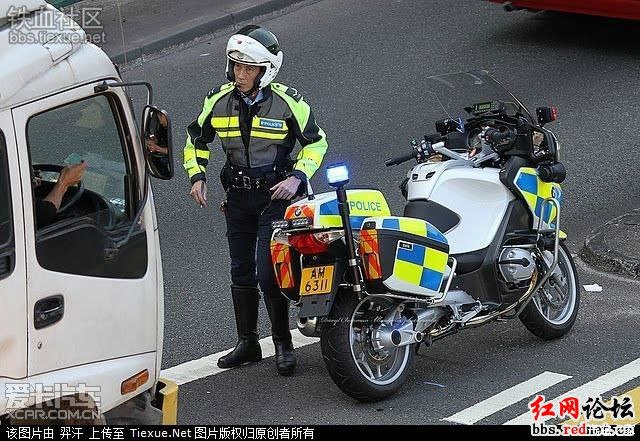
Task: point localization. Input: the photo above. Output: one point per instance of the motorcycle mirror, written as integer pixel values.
(546, 114)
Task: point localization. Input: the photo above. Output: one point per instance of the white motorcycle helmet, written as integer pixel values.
(258, 47)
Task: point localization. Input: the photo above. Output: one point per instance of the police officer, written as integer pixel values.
(258, 123)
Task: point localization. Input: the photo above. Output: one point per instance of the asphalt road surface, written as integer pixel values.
(361, 65)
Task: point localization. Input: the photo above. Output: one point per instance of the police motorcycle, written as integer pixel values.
(479, 241)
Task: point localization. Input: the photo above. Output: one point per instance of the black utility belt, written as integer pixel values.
(232, 178)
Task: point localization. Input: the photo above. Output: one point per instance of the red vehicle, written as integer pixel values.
(627, 9)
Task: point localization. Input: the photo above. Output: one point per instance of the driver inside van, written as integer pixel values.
(47, 208)
(157, 141)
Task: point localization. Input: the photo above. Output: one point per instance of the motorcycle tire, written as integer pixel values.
(338, 356)
(534, 317)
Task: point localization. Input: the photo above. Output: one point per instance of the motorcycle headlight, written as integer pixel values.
(301, 222)
(279, 224)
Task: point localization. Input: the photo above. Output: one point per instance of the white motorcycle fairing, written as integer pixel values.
(476, 195)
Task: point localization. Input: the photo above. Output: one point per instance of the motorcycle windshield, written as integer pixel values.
(453, 95)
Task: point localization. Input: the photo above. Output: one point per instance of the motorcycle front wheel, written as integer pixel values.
(554, 307)
(357, 365)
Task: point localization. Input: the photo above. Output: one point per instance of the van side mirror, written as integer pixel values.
(157, 142)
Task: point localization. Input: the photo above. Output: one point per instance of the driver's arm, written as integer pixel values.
(45, 212)
(69, 176)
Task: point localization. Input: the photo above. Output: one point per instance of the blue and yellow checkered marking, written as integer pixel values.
(535, 191)
(362, 204)
(414, 226)
(420, 265)
(330, 217)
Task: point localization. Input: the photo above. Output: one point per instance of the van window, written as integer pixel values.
(81, 131)
(82, 234)
(5, 196)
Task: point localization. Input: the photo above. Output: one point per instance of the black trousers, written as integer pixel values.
(249, 216)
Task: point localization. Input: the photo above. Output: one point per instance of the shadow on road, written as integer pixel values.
(561, 30)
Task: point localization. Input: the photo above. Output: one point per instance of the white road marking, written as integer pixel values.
(491, 405)
(207, 366)
(594, 388)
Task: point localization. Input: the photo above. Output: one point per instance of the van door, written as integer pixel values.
(88, 300)
(13, 290)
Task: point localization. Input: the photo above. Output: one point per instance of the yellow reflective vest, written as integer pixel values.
(260, 135)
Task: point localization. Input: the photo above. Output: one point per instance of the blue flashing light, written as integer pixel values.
(337, 174)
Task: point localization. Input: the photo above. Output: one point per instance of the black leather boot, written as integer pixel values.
(245, 304)
(278, 309)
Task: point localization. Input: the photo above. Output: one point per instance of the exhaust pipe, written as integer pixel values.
(389, 335)
(394, 335)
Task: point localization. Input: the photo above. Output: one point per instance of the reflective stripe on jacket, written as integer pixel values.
(255, 136)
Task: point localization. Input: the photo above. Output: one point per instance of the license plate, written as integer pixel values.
(316, 280)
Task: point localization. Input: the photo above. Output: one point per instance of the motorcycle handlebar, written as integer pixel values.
(426, 149)
(495, 136)
(400, 159)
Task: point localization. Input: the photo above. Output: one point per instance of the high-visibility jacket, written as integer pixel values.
(256, 136)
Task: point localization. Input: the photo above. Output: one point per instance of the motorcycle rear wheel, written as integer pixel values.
(354, 364)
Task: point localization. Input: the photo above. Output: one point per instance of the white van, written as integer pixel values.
(81, 294)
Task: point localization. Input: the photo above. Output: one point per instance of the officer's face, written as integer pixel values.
(245, 76)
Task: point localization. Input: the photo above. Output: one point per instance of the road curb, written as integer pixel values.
(599, 250)
(190, 33)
